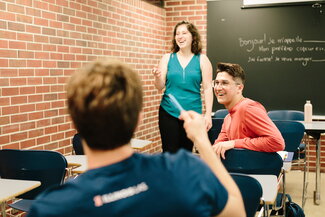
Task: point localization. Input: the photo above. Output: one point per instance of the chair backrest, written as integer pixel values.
(252, 162)
(292, 133)
(77, 144)
(221, 113)
(292, 115)
(215, 129)
(48, 167)
(251, 191)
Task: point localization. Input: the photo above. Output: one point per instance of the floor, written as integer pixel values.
(294, 181)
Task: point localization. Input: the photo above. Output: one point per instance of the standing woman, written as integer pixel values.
(181, 73)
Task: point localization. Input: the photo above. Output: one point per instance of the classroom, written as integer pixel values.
(280, 44)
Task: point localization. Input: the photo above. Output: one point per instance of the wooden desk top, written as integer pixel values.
(11, 188)
(139, 143)
(79, 162)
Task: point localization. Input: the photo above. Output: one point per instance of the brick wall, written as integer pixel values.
(43, 42)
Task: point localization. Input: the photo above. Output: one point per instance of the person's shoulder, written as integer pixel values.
(254, 104)
(247, 102)
(67, 190)
(171, 161)
(203, 57)
(49, 202)
(167, 55)
(252, 108)
(184, 159)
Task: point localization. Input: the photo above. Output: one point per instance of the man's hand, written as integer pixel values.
(221, 147)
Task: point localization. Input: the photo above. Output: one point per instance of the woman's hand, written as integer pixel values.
(208, 122)
(156, 72)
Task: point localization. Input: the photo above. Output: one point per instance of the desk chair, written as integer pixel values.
(292, 133)
(48, 167)
(290, 115)
(213, 133)
(77, 144)
(254, 162)
(221, 113)
(293, 115)
(251, 191)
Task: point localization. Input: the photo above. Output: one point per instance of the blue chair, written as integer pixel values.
(290, 115)
(292, 133)
(293, 115)
(215, 129)
(48, 167)
(77, 144)
(251, 191)
(221, 113)
(253, 162)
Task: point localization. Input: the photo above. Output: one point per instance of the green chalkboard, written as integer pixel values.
(282, 50)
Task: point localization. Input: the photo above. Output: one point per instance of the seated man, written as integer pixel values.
(105, 102)
(247, 125)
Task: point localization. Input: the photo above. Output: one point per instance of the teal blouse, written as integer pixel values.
(184, 84)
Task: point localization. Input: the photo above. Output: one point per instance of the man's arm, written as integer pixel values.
(195, 128)
(267, 136)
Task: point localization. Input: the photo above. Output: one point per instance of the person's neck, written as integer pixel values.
(100, 158)
(185, 52)
(238, 99)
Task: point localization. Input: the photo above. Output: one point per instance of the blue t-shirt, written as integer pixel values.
(184, 84)
(141, 186)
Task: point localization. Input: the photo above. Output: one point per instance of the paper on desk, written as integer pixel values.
(286, 156)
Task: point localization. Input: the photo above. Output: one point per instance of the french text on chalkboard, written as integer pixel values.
(283, 49)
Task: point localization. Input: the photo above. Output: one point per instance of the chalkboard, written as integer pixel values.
(282, 50)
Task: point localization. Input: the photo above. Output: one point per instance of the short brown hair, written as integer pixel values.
(196, 47)
(235, 70)
(104, 101)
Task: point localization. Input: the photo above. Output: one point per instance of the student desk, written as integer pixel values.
(269, 185)
(10, 188)
(78, 163)
(315, 129)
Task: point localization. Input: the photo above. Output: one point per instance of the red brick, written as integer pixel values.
(18, 100)
(27, 126)
(17, 45)
(35, 115)
(10, 91)
(27, 108)
(10, 110)
(4, 140)
(42, 140)
(8, 53)
(25, 37)
(41, 22)
(18, 81)
(4, 101)
(27, 143)
(16, 8)
(27, 90)
(18, 136)
(16, 26)
(4, 120)
(26, 72)
(18, 118)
